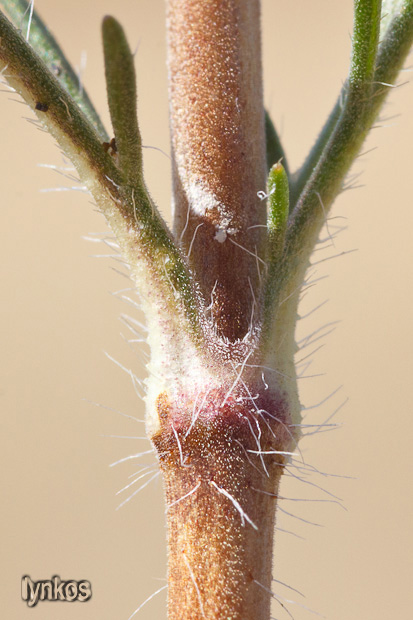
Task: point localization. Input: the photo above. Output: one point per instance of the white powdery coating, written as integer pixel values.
(220, 235)
(200, 200)
(174, 368)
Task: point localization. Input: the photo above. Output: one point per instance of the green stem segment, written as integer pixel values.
(396, 41)
(341, 149)
(363, 63)
(141, 232)
(367, 15)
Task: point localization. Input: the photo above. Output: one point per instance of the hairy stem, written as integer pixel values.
(218, 141)
(145, 241)
(221, 492)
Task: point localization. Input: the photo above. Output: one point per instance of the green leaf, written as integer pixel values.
(121, 89)
(146, 243)
(348, 134)
(278, 206)
(47, 48)
(359, 85)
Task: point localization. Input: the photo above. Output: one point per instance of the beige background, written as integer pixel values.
(58, 316)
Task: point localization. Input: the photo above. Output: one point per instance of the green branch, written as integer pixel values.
(350, 130)
(278, 208)
(141, 233)
(367, 14)
(46, 46)
(394, 47)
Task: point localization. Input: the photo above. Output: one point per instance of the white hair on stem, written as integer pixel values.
(147, 601)
(322, 402)
(180, 499)
(195, 585)
(313, 470)
(253, 254)
(181, 455)
(139, 477)
(138, 455)
(74, 188)
(290, 514)
(330, 417)
(287, 586)
(237, 378)
(64, 171)
(125, 415)
(195, 413)
(272, 452)
(137, 383)
(343, 253)
(325, 216)
(304, 316)
(310, 340)
(138, 490)
(291, 602)
(289, 532)
(288, 472)
(300, 499)
(242, 513)
(248, 457)
(313, 352)
(193, 239)
(30, 8)
(260, 453)
(186, 223)
(274, 597)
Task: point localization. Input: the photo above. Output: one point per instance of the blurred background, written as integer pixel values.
(59, 316)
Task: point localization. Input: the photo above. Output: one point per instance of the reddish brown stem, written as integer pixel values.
(221, 501)
(218, 142)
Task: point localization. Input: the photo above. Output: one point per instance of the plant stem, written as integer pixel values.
(218, 141)
(222, 403)
(349, 133)
(221, 499)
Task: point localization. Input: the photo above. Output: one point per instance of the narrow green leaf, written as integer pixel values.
(29, 75)
(46, 46)
(121, 89)
(348, 134)
(277, 220)
(141, 233)
(393, 49)
(389, 10)
(367, 14)
(154, 235)
(278, 205)
(356, 90)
